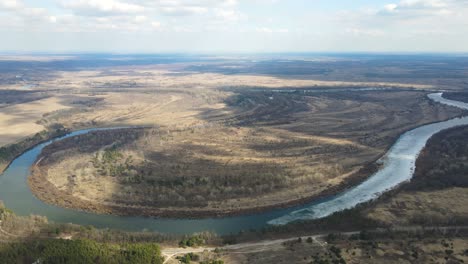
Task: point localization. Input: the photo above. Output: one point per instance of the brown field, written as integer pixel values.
(231, 137)
(217, 143)
(436, 196)
(137, 94)
(392, 248)
(225, 152)
(154, 77)
(20, 120)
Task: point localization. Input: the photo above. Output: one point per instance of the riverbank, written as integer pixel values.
(17, 196)
(217, 171)
(436, 196)
(12, 151)
(49, 193)
(399, 166)
(438, 191)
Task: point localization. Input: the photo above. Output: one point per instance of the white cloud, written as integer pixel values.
(10, 4)
(415, 7)
(229, 15)
(270, 30)
(418, 4)
(365, 32)
(125, 15)
(390, 8)
(101, 7)
(19, 11)
(183, 10)
(156, 24)
(140, 19)
(396, 23)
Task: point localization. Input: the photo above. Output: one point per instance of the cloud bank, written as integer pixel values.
(236, 25)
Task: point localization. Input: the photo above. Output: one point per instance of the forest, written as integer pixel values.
(9, 152)
(58, 251)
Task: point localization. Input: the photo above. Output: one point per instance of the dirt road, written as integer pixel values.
(264, 245)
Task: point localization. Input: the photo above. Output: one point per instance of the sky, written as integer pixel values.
(214, 26)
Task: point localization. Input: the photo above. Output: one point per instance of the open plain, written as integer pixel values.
(212, 141)
(207, 139)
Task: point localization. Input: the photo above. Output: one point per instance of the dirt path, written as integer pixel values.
(265, 245)
(6, 234)
(250, 247)
(169, 253)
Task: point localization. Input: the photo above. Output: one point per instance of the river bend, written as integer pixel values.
(398, 166)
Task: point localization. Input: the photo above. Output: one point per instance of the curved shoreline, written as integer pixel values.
(47, 192)
(38, 182)
(15, 192)
(58, 136)
(7, 164)
(399, 166)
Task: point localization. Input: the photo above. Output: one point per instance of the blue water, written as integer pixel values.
(398, 167)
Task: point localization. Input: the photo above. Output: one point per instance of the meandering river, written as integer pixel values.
(398, 166)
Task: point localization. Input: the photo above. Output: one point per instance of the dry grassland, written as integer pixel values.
(218, 153)
(219, 143)
(20, 120)
(394, 250)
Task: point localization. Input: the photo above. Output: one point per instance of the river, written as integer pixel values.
(398, 166)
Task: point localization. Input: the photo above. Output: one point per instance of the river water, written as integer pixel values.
(398, 166)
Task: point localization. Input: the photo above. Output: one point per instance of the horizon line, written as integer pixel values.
(189, 53)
